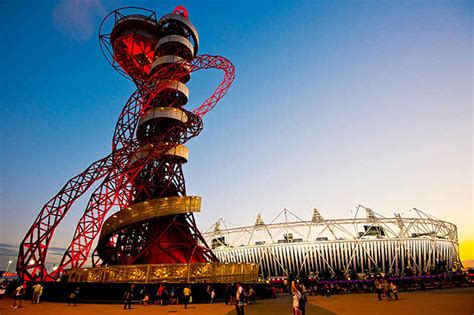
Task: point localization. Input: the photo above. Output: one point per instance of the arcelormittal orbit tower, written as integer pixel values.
(154, 233)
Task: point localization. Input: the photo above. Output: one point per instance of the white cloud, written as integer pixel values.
(78, 19)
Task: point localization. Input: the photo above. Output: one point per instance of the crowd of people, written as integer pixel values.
(232, 290)
(385, 288)
(234, 294)
(326, 288)
(172, 295)
(19, 294)
(299, 292)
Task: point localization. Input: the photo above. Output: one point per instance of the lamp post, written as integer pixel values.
(8, 266)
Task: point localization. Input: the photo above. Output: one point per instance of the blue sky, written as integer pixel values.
(334, 104)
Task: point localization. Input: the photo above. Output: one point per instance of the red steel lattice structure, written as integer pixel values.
(143, 174)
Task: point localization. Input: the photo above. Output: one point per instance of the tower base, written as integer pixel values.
(212, 272)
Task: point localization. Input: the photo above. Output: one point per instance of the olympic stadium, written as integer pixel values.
(367, 243)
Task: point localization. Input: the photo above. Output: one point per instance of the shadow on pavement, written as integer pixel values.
(279, 306)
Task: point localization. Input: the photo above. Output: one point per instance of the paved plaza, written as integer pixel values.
(432, 302)
(453, 301)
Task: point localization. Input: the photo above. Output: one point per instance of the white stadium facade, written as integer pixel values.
(367, 243)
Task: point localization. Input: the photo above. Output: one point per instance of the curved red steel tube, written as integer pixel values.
(34, 247)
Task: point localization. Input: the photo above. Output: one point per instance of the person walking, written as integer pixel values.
(303, 299)
(385, 289)
(296, 300)
(37, 290)
(173, 296)
(186, 296)
(393, 290)
(128, 296)
(227, 294)
(233, 292)
(143, 293)
(251, 295)
(3, 289)
(73, 296)
(213, 295)
(33, 297)
(18, 296)
(145, 296)
(39, 294)
(240, 299)
(164, 296)
(327, 291)
(159, 295)
(208, 291)
(378, 289)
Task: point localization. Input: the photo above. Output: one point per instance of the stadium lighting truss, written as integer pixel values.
(371, 244)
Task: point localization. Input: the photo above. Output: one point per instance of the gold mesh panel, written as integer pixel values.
(150, 209)
(171, 273)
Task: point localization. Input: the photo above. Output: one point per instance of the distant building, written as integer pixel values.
(368, 244)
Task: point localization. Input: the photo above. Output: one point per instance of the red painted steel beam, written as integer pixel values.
(115, 188)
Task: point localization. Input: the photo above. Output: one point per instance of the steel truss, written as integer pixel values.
(122, 183)
(373, 244)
